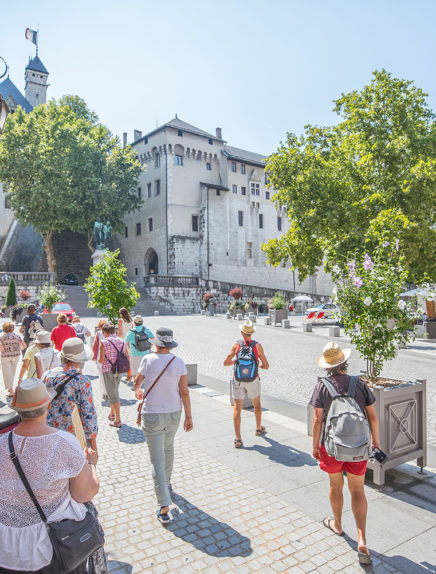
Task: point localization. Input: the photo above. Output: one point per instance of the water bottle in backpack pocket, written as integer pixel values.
(347, 435)
(246, 364)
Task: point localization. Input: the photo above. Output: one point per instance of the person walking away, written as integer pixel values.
(112, 348)
(11, 346)
(96, 355)
(74, 390)
(62, 332)
(138, 340)
(81, 330)
(359, 401)
(28, 365)
(125, 324)
(46, 358)
(246, 357)
(30, 324)
(162, 385)
(56, 468)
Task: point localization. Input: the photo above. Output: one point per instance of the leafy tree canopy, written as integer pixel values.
(368, 180)
(63, 169)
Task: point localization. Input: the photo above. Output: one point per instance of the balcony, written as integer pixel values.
(170, 281)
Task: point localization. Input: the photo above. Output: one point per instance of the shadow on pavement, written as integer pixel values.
(127, 402)
(205, 532)
(131, 435)
(283, 453)
(117, 567)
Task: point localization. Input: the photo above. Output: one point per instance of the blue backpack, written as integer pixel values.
(246, 364)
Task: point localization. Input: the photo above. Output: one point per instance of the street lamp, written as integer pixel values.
(4, 110)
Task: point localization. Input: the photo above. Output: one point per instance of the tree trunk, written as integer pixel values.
(48, 248)
(91, 247)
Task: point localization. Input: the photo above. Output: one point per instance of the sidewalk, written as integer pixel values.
(258, 509)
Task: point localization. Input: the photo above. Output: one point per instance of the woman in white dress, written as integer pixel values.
(58, 472)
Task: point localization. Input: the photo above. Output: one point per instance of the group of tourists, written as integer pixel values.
(56, 402)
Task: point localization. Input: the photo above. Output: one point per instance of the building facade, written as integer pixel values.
(207, 212)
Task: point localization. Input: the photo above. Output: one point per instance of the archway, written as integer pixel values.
(151, 262)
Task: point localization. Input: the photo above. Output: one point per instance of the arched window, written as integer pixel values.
(151, 262)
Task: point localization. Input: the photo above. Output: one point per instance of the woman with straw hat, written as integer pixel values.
(334, 361)
(55, 467)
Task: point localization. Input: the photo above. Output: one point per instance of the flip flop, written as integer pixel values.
(327, 523)
(261, 431)
(238, 443)
(111, 417)
(364, 558)
(116, 424)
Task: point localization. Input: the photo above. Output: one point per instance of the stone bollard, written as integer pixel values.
(266, 321)
(239, 317)
(286, 324)
(247, 404)
(192, 373)
(307, 327)
(228, 315)
(334, 331)
(156, 313)
(252, 317)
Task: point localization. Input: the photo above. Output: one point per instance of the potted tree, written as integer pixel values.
(378, 323)
(209, 303)
(48, 296)
(11, 296)
(277, 308)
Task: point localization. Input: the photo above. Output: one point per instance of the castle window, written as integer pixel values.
(178, 160)
(157, 187)
(180, 133)
(266, 179)
(209, 166)
(235, 188)
(7, 203)
(210, 141)
(279, 223)
(234, 166)
(126, 232)
(243, 190)
(260, 220)
(243, 168)
(150, 224)
(255, 188)
(138, 229)
(157, 160)
(267, 194)
(139, 193)
(195, 223)
(249, 250)
(148, 189)
(240, 218)
(136, 271)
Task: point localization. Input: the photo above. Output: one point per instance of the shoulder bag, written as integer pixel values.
(73, 541)
(141, 404)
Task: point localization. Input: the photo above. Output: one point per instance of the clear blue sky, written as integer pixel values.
(255, 68)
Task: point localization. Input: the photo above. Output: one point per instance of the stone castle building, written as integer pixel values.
(207, 211)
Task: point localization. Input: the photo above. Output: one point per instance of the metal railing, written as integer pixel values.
(170, 281)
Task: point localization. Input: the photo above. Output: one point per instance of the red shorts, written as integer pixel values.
(331, 465)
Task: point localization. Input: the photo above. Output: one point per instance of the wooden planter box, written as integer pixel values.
(401, 413)
(277, 316)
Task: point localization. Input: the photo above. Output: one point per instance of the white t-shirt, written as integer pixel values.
(49, 359)
(165, 396)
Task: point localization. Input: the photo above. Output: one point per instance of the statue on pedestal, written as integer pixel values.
(101, 234)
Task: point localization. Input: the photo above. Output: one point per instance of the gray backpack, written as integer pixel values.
(346, 432)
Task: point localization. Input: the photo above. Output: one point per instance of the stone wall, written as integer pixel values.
(72, 255)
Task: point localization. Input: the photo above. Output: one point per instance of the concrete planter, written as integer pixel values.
(192, 370)
(247, 404)
(401, 412)
(50, 321)
(276, 316)
(431, 329)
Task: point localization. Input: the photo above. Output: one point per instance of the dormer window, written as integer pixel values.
(180, 133)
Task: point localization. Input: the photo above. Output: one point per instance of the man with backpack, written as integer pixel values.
(246, 357)
(138, 340)
(114, 359)
(31, 324)
(345, 430)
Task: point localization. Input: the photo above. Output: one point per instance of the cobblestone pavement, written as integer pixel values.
(291, 353)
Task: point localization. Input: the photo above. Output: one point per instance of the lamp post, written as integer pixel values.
(4, 110)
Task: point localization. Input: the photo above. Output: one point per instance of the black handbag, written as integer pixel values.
(73, 541)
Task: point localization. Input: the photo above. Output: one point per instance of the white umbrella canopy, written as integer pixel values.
(414, 293)
(303, 299)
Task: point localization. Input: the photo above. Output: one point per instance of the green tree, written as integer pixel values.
(11, 296)
(63, 169)
(107, 287)
(370, 179)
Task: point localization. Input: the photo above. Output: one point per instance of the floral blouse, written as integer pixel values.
(78, 391)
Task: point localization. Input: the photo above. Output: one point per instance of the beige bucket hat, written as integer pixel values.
(31, 395)
(332, 356)
(248, 328)
(42, 337)
(75, 350)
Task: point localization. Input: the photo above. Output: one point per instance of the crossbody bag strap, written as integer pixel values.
(61, 387)
(148, 392)
(19, 469)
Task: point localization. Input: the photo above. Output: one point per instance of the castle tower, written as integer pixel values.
(36, 76)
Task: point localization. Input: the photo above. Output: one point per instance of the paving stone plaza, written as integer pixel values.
(258, 509)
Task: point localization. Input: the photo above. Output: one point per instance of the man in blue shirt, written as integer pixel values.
(138, 340)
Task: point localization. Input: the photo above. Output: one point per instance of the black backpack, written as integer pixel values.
(142, 342)
(246, 364)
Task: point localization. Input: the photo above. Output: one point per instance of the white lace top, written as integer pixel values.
(48, 462)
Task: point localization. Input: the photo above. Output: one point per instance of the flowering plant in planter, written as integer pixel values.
(278, 301)
(236, 293)
(24, 295)
(368, 295)
(208, 299)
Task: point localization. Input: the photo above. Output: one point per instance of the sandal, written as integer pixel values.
(116, 424)
(261, 431)
(111, 417)
(328, 524)
(238, 443)
(364, 558)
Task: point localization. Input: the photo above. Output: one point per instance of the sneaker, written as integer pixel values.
(163, 518)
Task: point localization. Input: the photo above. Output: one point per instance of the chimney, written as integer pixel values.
(219, 133)
(137, 135)
(124, 139)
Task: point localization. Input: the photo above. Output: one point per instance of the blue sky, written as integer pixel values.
(256, 69)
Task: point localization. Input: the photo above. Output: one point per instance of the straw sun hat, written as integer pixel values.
(248, 328)
(332, 356)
